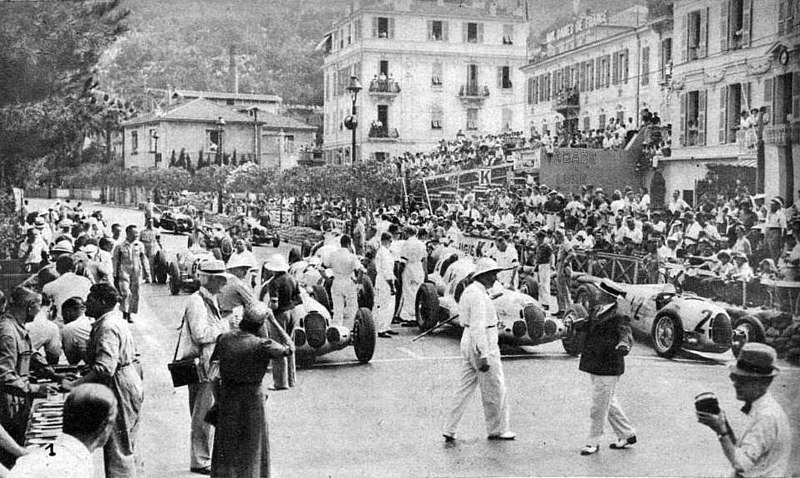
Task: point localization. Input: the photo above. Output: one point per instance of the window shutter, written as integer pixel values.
(645, 78)
(608, 71)
(499, 76)
(615, 68)
(391, 28)
(535, 90)
(769, 85)
(597, 65)
(796, 95)
(683, 136)
(724, 26)
(582, 74)
(723, 115)
(445, 31)
(374, 27)
(429, 24)
(747, 21)
(625, 65)
(464, 32)
(480, 32)
(747, 97)
(702, 109)
(782, 17)
(685, 34)
(703, 50)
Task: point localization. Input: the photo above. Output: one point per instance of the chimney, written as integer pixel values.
(233, 70)
(493, 9)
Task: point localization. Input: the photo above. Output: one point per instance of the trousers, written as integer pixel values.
(493, 393)
(201, 399)
(129, 295)
(383, 310)
(284, 368)
(562, 291)
(544, 285)
(606, 407)
(413, 275)
(345, 302)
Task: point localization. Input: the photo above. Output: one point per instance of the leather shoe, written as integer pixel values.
(408, 324)
(448, 438)
(503, 436)
(384, 335)
(206, 470)
(621, 444)
(590, 449)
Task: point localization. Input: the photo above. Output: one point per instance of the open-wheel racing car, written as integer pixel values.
(183, 271)
(262, 234)
(176, 220)
(672, 321)
(521, 319)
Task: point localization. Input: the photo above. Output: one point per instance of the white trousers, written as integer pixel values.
(493, 393)
(345, 302)
(412, 279)
(606, 407)
(544, 285)
(383, 310)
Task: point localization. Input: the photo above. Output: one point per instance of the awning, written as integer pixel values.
(324, 40)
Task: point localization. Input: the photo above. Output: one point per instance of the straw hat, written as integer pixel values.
(63, 246)
(240, 260)
(212, 268)
(486, 266)
(276, 263)
(756, 360)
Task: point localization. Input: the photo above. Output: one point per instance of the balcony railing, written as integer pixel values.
(746, 141)
(383, 133)
(567, 101)
(777, 134)
(473, 91)
(381, 87)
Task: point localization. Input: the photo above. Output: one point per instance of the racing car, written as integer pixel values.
(521, 319)
(176, 220)
(263, 235)
(672, 321)
(183, 271)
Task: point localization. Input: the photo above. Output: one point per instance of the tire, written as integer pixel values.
(161, 267)
(276, 241)
(588, 296)
(319, 294)
(576, 335)
(174, 279)
(364, 335)
(529, 286)
(746, 329)
(427, 306)
(667, 334)
(366, 294)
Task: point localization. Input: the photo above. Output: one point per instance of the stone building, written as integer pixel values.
(429, 69)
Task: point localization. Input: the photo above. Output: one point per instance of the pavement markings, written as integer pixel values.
(411, 353)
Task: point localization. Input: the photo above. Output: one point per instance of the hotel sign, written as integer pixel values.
(583, 22)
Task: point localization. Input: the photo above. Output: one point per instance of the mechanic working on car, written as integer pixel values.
(344, 294)
(765, 447)
(480, 357)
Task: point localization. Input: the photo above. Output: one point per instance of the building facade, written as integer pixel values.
(735, 56)
(429, 69)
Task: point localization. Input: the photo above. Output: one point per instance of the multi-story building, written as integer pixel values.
(429, 69)
(733, 56)
(598, 67)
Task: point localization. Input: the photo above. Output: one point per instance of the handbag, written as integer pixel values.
(187, 371)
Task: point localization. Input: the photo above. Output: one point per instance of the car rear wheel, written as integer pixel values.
(427, 306)
(161, 267)
(746, 329)
(573, 341)
(667, 334)
(529, 286)
(319, 294)
(364, 335)
(174, 279)
(588, 296)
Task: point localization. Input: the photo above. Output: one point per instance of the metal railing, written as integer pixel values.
(473, 91)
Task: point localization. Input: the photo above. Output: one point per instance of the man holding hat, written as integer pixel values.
(202, 324)
(480, 354)
(284, 295)
(237, 295)
(765, 447)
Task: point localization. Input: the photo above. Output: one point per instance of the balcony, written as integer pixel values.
(384, 88)
(473, 94)
(567, 102)
(746, 141)
(383, 133)
(777, 134)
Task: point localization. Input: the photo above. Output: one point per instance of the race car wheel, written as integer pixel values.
(319, 294)
(746, 329)
(276, 241)
(575, 317)
(366, 293)
(427, 306)
(364, 335)
(529, 286)
(667, 334)
(588, 296)
(174, 279)
(161, 267)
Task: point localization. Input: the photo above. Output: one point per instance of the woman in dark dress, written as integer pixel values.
(241, 443)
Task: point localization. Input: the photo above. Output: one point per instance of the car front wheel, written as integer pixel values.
(746, 329)
(667, 334)
(364, 335)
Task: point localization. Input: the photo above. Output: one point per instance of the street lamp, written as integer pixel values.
(220, 130)
(256, 134)
(354, 88)
(154, 135)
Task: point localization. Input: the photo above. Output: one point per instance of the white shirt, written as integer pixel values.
(66, 286)
(344, 263)
(384, 265)
(765, 446)
(505, 259)
(479, 318)
(75, 338)
(69, 458)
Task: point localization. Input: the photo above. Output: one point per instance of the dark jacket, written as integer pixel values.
(600, 355)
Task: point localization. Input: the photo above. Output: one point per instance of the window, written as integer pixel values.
(603, 72)
(601, 122)
(586, 124)
(212, 140)
(288, 144)
(788, 11)
(382, 27)
(508, 116)
(472, 79)
(693, 118)
(620, 67)
(732, 100)
(437, 30)
(436, 73)
(666, 59)
(153, 141)
(508, 34)
(437, 117)
(383, 68)
(472, 119)
(134, 142)
(383, 116)
(357, 30)
(645, 75)
(504, 77)
(473, 32)
(531, 90)
(697, 34)
(590, 75)
(736, 16)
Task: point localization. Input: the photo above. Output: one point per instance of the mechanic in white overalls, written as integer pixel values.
(344, 293)
(412, 273)
(480, 364)
(506, 257)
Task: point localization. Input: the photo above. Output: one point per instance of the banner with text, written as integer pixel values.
(567, 169)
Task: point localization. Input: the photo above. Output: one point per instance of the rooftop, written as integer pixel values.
(221, 95)
(469, 9)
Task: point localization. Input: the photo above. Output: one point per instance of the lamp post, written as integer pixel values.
(256, 135)
(354, 88)
(154, 135)
(220, 131)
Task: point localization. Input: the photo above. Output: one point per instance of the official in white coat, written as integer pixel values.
(384, 288)
(412, 260)
(480, 365)
(344, 292)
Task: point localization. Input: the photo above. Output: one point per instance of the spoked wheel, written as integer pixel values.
(364, 335)
(174, 279)
(575, 318)
(667, 334)
(746, 329)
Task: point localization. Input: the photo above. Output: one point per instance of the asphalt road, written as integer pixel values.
(345, 419)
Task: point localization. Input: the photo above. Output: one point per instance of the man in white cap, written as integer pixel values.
(480, 354)
(284, 295)
(202, 324)
(237, 295)
(765, 447)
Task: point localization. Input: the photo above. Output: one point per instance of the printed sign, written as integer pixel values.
(583, 22)
(567, 169)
